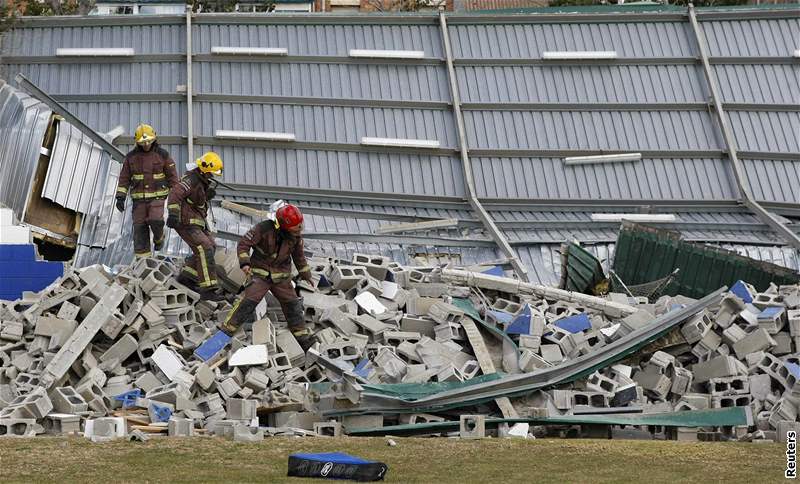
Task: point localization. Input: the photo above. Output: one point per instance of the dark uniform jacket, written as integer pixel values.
(189, 199)
(273, 252)
(148, 174)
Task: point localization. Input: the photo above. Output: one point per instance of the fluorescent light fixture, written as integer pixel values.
(634, 217)
(253, 135)
(102, 52)
(797, 53)
(584, 160)
(399, 142)
(387, 54)
(249, 50)
(579, 55)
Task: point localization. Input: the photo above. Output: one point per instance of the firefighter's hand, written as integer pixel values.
(121, 204)
(211, 193)
(246, 269)
(172, 221)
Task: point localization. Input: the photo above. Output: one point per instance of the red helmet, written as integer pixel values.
(288, 216)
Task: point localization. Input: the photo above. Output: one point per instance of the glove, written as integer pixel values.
(211, 193)
(172, 221)
(306, 276)
(121, 204)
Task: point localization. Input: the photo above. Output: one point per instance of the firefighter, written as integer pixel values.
(149, 172)
(275, 244)
(188, 206)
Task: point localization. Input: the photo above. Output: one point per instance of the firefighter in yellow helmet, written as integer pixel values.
(148, 172)
(188, 206)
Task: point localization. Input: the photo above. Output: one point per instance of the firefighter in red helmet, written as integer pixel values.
(266, 253)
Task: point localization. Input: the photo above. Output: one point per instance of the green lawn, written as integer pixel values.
(432, 460)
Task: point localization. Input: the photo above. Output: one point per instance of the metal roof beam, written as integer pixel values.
(730, 140)
(483, 215)
(57, 108)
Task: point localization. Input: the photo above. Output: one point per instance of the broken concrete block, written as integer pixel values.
(328, 429)
(249, 356)
(243, 433)
(167, 361)
(757, 340)
(472, 426)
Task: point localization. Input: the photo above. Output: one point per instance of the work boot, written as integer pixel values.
(158, 245)
(243, 311)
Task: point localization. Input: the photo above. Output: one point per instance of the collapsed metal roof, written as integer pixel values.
(522, 116)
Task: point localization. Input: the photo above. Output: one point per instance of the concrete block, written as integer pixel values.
(472, 426)
(167, 361)
(62, 424)
(422, 325)
(169, 299)
(551, 353)
(377, 266)
(335, 318)
(444, 313)
(50, 326)
(19, 427)
(147, 381)
(297, 420)
(11, 330)
(681, 381)
(727, 401)
(718, 367)
(249, 356)
(264, 334)
(243, 433)
(204, 376)
(105, 429)
(784, 427)
(598, 382)
(696, 327)
(241, 409)
(328, 429)
(707, 344)
(772, 319)
(369, 303)
(288, 345)
(350, 422)
(758, 340)
(67, 400)
(119, 352)
(654, 384)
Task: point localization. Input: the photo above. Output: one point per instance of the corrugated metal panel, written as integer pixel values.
(528, 41)
(599, 130)
(338, 81)
(144, 39)
(77, 171)
(320, 40)
(327, 124)
(752, 38)
(758, 83)
(168, 118)
(341, 170)
(775, 132)
(649, 179)
(582, 84)
(23, 123)
(124, 78)
(782, 256)
(774, 180)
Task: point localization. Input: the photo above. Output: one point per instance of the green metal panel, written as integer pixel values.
(580, 270)
(722, 417)
(644, 254)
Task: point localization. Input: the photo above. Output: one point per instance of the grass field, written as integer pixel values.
(413, 460)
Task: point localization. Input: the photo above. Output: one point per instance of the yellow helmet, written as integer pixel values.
(210, 163)
(144, 134)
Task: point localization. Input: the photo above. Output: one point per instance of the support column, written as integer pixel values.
(477, 207)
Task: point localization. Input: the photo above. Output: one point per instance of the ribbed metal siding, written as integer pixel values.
(327, 124)
(528, 41)
(774, 180)
(341, 170)
(144, 39)
(23, 123)
(574, 130)
(582, 84)
(76, 174)
(759, 83)
(320, 40)
(337, 81)
(657, 179)
(772, 132)
(168, 118)
(123, 78)
(752, 38)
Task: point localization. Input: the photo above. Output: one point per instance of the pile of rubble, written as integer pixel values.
(112, 353)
